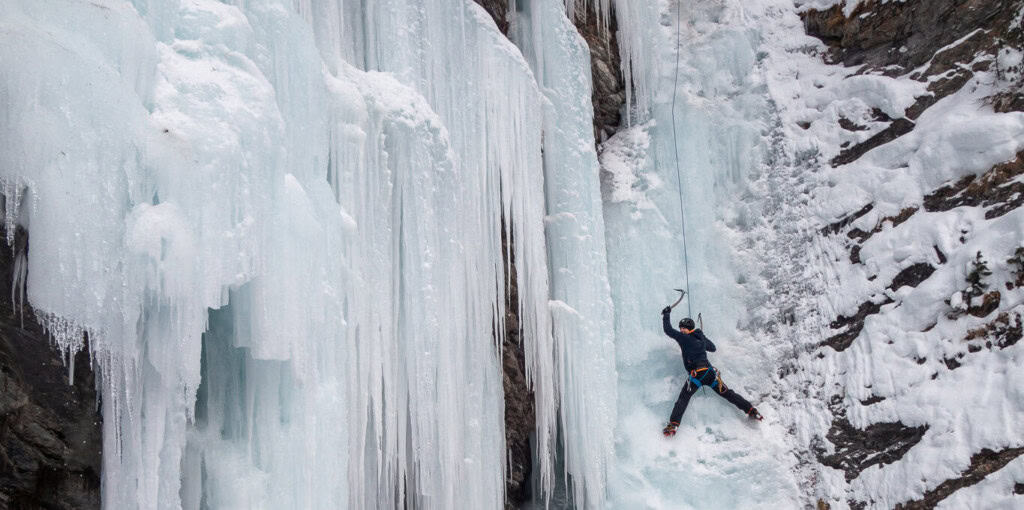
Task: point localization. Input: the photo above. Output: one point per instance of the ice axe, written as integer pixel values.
(682, 293)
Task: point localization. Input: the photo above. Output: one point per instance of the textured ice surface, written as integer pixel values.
(581, 306)
(279, 222)
(718, 458)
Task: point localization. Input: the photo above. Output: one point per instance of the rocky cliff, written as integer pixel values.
(50, 428)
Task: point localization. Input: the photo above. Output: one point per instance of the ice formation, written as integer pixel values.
(278, 223)
(285, 244)
(717, 458)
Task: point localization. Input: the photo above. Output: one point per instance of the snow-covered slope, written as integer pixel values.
(904, 387)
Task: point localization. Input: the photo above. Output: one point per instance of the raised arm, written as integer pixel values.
(666, 322)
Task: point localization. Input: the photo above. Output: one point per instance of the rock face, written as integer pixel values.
(608, 97)
(50, 431)
(900, 36)
(498, 9)
(983, 464)
(609, 90)
(999, 191)
(944, 38)
(942, 43)
(859, 449)
(520, 416)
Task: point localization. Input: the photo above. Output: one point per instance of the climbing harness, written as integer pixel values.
(675, 144)
(715, 384)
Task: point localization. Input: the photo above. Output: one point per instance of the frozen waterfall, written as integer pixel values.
(279, 222)
(718, 458)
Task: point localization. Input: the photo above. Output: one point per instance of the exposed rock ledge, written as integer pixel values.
(50, 431)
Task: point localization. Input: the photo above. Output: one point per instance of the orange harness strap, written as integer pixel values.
(717, 382)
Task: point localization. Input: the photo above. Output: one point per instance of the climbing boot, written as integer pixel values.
(670, 429)
(753, 414)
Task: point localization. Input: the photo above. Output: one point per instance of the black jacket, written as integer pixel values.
(695, 346)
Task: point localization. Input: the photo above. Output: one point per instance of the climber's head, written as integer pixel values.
(687, 325)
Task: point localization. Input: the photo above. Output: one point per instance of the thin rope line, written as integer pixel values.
(675, 144)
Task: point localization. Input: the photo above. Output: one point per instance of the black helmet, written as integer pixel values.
(687, 323)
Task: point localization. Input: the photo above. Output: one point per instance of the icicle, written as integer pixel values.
(286, 241)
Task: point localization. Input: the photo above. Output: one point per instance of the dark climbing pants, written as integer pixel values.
(707, 378)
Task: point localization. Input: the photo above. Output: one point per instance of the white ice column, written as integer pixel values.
(581, 303)
(426, 177)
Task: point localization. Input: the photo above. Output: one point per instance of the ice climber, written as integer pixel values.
(695, 347)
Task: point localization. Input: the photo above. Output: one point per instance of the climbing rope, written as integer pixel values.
(675, 144)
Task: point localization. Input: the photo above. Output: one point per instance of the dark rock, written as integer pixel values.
(989, 303)
(879, 116)
(896, 37)
(983, 464)
(520, 410)
(999, 190)
(938, 89)
(951, 363)
(835, 228)
(1018, 488)
(858, 449)
(938, 252)
(912, 276)
(50, 430)
(498, 9)
(854, 324)
(898, 128)
(873, 399)
(1010, 100)
(1005, 331)
(860, 235)
(895, 221)
(849, 125)
(609, 86)
(949, 71)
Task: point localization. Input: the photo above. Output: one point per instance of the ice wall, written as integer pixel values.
(278, 222)
(581, 305)
(715, 113)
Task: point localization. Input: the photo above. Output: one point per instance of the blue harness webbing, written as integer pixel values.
(699, 382)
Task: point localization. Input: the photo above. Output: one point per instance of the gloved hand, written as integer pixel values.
(666, 310)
